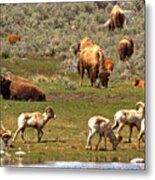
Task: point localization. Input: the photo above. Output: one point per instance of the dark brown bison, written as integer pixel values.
(5, 87)
(14, 87)
(85, 42)
(105, 72)
(12, 39)
(117, 18)
(92, 60)
(125, 49)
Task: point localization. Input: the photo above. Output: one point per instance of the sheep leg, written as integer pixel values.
(120, 128)
(105, 141)
(22, 135)
(16, 134)
(140, 136)
(100, 138)
(130, 133)
(91, 134)
(40, 134)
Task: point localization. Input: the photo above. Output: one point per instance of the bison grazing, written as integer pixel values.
(125, 49)
(117, 18)
(12, 39)
(86, 42)
(91, 59)
(137, 83)
(105, 72)
(14, 87)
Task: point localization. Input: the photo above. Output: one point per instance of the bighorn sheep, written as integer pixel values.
(5, 135)
(101, 125)
(131, 118)
(142, 132)
(35, 120)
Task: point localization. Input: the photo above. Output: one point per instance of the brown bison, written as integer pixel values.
(125, 49)
(117, 18)
(14, 87)
(105, 73)
(92, 60)
(12, 39)
(85, 42)
(137, 83)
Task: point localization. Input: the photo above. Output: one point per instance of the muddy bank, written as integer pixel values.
(62, 97)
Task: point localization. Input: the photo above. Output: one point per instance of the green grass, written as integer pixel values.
(65, 138)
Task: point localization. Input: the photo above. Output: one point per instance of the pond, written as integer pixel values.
(8, 162)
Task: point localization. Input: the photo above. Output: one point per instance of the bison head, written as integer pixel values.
(5, 87)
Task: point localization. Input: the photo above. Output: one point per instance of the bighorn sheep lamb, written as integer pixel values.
(142, 132)
(5, 135)
(101, 125)
(35, 120)
(132, 117)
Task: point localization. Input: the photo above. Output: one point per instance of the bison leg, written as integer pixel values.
(81, 75)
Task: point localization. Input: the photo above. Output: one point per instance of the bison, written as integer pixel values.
(12, 39)
(92, 60)
(85, 42)
(117, 18)
(16, 88)
(105, 73)
(125, 49)
(137, 83)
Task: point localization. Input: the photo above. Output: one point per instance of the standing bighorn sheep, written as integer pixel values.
(101, 125)
(35, 120)
(132, 117)
(5, 135)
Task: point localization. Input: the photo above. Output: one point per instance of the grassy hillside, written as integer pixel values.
(45, 56)
(51, 30)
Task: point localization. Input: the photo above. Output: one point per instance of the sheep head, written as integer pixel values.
(113, 139)
(50, 113)
(139, 105)
(6, 136)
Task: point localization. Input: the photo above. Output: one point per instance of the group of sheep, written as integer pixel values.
(96, 124)
(132, 118)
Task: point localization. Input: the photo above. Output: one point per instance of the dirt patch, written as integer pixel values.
(62, 97)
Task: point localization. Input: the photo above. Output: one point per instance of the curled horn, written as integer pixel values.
(140, 104)
(48, 109)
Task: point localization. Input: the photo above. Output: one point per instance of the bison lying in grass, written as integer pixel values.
(16, 88)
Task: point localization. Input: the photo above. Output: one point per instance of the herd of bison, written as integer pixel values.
(91, 59)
